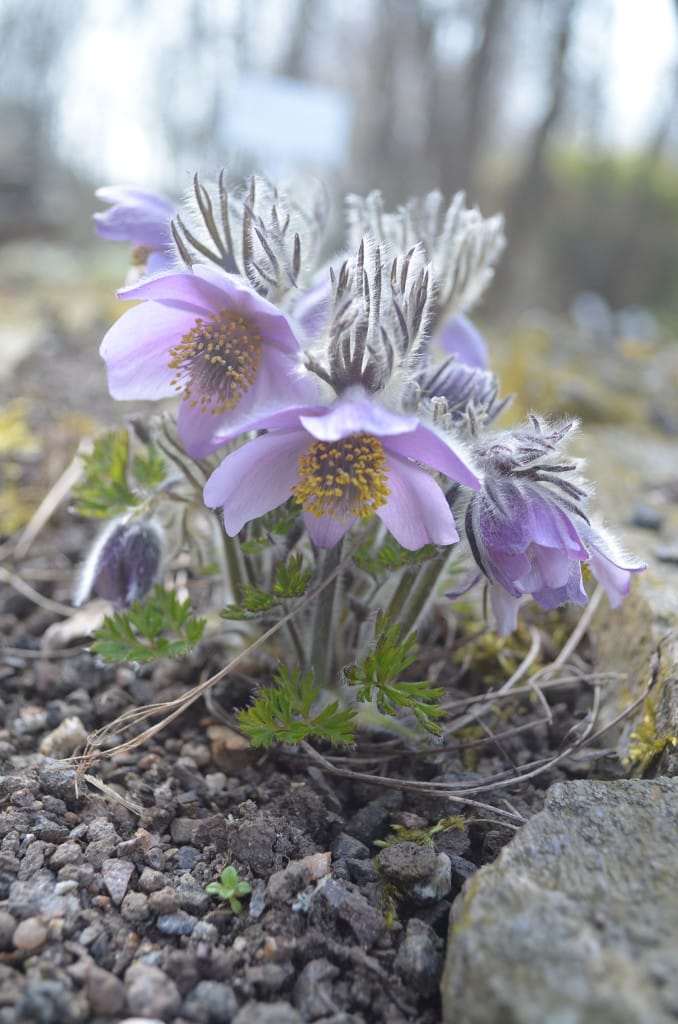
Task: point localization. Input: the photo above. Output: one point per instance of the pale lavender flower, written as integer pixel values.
(142, 218)
(123, 564)
(208, 336)
(457, 336)
(528, 529)
(341, 465)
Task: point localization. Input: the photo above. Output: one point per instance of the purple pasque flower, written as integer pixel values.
(342, 464)
(208, 336)
(528, 529)
(457, 336)
(123, 564)
(142, 218)
(524, 543)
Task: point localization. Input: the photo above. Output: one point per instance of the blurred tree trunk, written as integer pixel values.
(293, 61)
(480, 80)
(525, 204)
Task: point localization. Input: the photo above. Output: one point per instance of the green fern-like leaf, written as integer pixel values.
(391, 556)
(291, 580)
(116, 479)
(283, 713)
(138, 633)
(377, 677)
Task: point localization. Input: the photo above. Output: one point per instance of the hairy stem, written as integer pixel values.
(322, 646)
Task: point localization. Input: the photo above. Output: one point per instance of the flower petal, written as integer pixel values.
(136, 351)
(458, 336)
(182, 290)
(416, 512)
(326, 531)
(505, 608)
(135, 216)
(436, 451)
(351, 415)
(611, 566)
(256, 478)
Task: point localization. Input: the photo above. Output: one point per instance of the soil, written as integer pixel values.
(103, 908)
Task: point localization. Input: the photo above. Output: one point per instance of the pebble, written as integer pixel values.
(404, 864)
(178, 923)
(267, 1013)
(211, 1002)
(164, 901)
(187, 857)
(30, 720)
(419, 960)
(134, 907)
(150, 992)
(205, 932)
(181, 830)
(116, 875)
(647, 518)
(438, 885)
(347, 846)
(48, 830)
(105, 992)
(30, 934)
(67, 853)
(151, 881)
(64, 740)
(313, 989)
(192, 896)
(366, 923)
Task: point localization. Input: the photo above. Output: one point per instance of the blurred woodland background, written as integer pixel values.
(518, 102)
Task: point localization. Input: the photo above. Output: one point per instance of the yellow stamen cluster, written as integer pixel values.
(343, 478)
(217, 361)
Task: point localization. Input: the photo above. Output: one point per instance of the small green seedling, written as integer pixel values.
(229, 887)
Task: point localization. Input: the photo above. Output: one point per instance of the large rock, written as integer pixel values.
(576, 921)
(639, 640)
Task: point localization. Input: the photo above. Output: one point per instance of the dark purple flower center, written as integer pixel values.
(217, 361)
(343, 478)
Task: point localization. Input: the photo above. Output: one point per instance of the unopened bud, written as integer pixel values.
(123, 564)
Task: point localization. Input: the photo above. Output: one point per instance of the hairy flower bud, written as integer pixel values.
(123, 563)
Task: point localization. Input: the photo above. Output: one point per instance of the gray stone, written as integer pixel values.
(437, 887)
(406, 863)
(419, 960)
(134, 907)
(575, 923)
(366, 923)
(313, 989)
(211, 1002)
(30, 935)
(178, 923)
(638, 641)
(150, 992)
(105, 992)
(116, 875)
(267, 1013)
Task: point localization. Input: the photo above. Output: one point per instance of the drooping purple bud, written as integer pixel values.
(123, 564)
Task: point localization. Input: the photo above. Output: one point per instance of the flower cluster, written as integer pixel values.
(349, 390)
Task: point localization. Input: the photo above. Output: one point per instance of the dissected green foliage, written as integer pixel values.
(138, 634)
(377, 677)
(291, 580)
(116, 478)
(284, 713)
